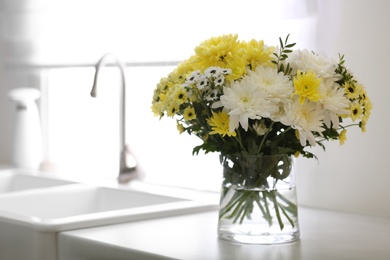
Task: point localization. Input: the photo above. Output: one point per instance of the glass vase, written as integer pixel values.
(258, 203)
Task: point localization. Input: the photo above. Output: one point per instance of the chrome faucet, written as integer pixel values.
(128, 163)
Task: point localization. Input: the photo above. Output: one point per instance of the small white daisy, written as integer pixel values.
(202, 82)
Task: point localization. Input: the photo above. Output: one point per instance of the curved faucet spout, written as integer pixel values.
(127, 164)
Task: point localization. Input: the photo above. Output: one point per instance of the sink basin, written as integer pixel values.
(79, 206)
(19, 180)
(31, 219)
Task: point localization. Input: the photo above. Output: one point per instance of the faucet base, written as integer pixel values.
(126, 177)
(128, 167)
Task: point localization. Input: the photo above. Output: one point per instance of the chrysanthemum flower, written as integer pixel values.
(257, 54)
(189, 114)
(179, 95)
(215, 51)
(244, 101)
(304, 60)
(276, 85)
(219, 124)
(367, 107)
(306, 118)
(158, 108)
(193, 78)
(363, 124)
(334, 101)
(180, 127)
(261, 128)
(183, 70)
(356, 111)
(237, 64)
(172, 108)
(307, 86)
(351, 90)
(343, 136)
(212, 95)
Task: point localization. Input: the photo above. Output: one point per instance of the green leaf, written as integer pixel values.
(288, 35)
(290, 45)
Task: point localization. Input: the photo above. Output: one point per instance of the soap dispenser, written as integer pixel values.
(27, 134)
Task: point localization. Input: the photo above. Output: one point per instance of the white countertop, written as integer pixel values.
(324, 235)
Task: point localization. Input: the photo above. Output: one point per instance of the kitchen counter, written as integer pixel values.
(324, 235)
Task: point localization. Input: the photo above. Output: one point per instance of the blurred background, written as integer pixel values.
(53, 45)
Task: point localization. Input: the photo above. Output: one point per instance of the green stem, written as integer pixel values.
(237, 211)
(246, 212)
(265, 215)
(276, 205)
(230, 204)
(265, 137)
(350, 125)
(287, 216)
(267, 207)
(292, 208)
(238, 138)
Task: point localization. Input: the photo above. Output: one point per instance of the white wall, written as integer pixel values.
(354, 177)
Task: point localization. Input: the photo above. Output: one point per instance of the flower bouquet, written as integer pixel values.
(251, 102)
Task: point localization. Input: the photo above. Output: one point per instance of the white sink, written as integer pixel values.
(18, 180)
(79, 206)
(31, 219)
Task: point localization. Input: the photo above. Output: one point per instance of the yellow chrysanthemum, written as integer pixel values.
(351, 90)
(180, 127)
(237, 66)
(307, 86)
(158, 108)
(179, 95)
(343, 136)
(367, 106)
(219, 123)
(162, 97)
(256, 54)
(184, 69)
(189, 114)
(162, 88)
(172, 109)
(216, 50)
(363, 124)
(356, 111)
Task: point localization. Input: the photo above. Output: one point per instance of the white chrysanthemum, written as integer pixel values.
(304, 60)
(243, 102)
(277, 86)
(306, 118)
(334, 101)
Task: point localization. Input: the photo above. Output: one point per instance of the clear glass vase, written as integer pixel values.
(258, 202)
